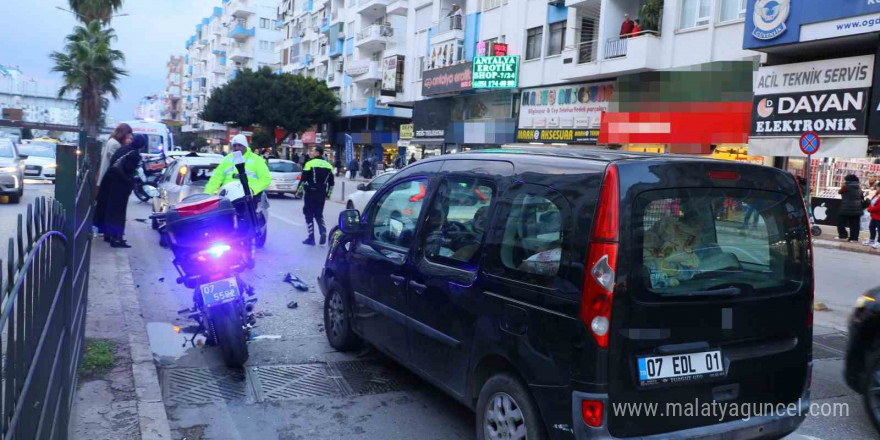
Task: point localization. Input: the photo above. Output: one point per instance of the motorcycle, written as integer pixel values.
(214, 239)
(146, 185)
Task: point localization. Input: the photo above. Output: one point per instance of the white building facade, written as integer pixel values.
(36, 99)
(239, 34)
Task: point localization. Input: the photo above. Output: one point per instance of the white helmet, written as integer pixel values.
(240, 139)
(232, 191)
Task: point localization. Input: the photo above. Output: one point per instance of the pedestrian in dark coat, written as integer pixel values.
(412, 159)
(850, 212)
(353, 167)
(337, 163)
(116, 188)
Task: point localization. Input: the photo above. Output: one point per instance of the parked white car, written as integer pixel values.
(285, 177)
(187, 175)
(358, 199)
(40, 163)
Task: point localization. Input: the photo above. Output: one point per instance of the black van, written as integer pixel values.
(587, 294)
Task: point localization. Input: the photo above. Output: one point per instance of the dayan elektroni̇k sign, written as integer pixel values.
(496, 72)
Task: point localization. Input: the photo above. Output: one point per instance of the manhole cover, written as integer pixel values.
(203, 385)
(374, 376)
(282, 382)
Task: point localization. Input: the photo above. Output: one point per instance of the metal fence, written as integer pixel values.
(43, 309)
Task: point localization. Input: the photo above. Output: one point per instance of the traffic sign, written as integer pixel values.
(809, 143)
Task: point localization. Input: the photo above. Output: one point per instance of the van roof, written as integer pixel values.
(589, 153)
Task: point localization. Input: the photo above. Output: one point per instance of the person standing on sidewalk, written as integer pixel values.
(316, 185)
(850, 212)
(874, 210)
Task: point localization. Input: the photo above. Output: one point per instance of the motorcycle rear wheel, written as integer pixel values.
(230, 334)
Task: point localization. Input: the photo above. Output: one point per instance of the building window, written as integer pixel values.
(265, 23)
(694, 13)
(534, 39)
(264, 45)
(733, 9)
(492, 4)
(420, 63)
(557, 38)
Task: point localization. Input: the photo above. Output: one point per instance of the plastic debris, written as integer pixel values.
(292, 305)
(297, 283)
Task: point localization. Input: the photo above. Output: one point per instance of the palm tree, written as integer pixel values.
(90, 68)
(91, 10)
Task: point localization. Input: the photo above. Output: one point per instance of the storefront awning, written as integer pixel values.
(790, 146)
(428, 141)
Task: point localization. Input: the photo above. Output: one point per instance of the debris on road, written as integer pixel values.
(162, 280)
(292, 305)
(819, 306)
(297, 283)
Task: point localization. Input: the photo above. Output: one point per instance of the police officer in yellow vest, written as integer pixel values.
(255, 166)
(316, 184)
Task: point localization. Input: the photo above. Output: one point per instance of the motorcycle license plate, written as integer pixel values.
(219, 292)
(691, 367)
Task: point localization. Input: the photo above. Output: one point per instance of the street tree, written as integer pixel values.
(292, 103)
(90, 68)
(90, 10)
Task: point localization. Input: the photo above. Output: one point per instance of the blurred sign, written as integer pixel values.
(568, 113)
(496, 72)
(392, 75)
(406, 131)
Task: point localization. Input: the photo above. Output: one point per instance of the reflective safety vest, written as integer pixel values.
(255, 167)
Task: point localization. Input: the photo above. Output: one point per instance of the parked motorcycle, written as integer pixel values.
(146, 183)
(213, 241)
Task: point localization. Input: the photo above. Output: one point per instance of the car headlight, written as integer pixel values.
(52, 166)
(8, 169)
(864, 301)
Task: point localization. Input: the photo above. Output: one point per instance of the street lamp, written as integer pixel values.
(81, 16)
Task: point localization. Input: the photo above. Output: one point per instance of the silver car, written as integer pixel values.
(11, 171)
(285, 176)
(185, 176)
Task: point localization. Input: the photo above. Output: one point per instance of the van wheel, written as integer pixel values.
(507, 410)
(337, 319)
(871, 392)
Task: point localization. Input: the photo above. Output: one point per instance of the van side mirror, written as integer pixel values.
(350, 221)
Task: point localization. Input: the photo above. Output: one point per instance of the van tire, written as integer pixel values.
(507, 386)
(338, 311)
(872, 364)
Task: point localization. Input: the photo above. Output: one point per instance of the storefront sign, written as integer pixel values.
(485, 48)
(431, 118)
(874, 107)
(308, 137)
(566, 113)
(776, 22)
(496, 72)
(825, 112)
(392, 76)
(833, 74)
(451, 79)
(406, 131)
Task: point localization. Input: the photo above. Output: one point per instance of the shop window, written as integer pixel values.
(557, 38)
(534, 38)
(694, 13)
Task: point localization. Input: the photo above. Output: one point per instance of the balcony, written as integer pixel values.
(372, 8)
(364, 70)
(240, 8)
(334, 80)
(335, 48)
(368, 106)
(241, 33)
(374, 37)
(617, 56)
(447, 29)
(397, 7)
(240, 52)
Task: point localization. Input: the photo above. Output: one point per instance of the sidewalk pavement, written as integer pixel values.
(126, 402)
(829, 240)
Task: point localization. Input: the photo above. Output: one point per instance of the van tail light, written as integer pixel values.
(810, 250)
(592, 412)
(598, 291)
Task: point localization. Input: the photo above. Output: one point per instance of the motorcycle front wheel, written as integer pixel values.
(229, 331)
(140, 194)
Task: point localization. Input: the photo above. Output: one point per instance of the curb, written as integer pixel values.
(858, 248)
(153, 420)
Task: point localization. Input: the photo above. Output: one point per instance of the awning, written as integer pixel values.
(429, 141)
(856, 146)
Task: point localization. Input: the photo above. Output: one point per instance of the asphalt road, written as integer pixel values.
(390, 403)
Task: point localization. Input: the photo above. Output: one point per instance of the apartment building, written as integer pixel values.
(32, 99)
(239, 34)
(566, 59)
(172, 112)
(347, 43)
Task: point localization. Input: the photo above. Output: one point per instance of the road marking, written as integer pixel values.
(286, 220)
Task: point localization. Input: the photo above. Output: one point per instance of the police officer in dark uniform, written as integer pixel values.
(316, 186)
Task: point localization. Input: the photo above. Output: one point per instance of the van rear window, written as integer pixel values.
(720, 241)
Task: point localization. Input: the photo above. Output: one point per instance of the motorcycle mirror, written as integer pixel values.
(238, 158)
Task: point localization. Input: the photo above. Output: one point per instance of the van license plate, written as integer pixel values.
(658, 370)
(219, 292)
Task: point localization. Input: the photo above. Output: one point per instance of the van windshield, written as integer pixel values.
(720, 241)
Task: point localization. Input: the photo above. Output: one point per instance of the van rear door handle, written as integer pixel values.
(419, 288)
(397, 280)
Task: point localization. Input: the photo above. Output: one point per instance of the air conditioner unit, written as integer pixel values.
(339, 66)
(302, 33)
